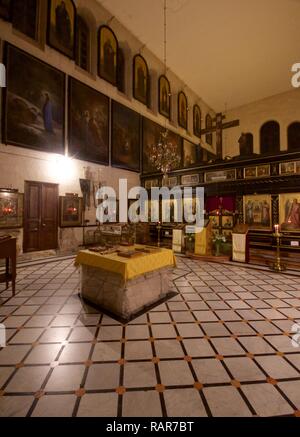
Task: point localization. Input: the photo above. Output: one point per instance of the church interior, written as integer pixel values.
(149, 317)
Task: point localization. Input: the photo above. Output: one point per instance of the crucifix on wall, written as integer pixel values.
(218, 128)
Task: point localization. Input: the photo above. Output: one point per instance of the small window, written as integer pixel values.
(208, 125)
(25, 17)
(83, 44)
(294, 137)
(270, 137)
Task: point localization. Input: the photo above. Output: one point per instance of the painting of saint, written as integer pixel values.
(89, 123)
(125, 138)
(182, 110)
(61, 26)
(140, 79)
(289, 211)
(257, 211)
(164, 99)
(34, 103)
(108, 55)
(5, 9)
(191, 154)
(250, 172)
(197, 121)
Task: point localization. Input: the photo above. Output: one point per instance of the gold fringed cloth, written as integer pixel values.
(239, 247)
(128, 268)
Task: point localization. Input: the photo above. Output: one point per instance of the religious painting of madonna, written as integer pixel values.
(108, 55)
(164, 97)
(182, 110)
(197, 121)
(289, 212)
(5, 9)
(61, 26)
(258, 211)
(34, 103)
(125, 138)
(140, 79)
(88, 123)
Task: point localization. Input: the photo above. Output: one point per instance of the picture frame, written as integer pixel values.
(34, 103)
(71, 208)
(289, 212)
(164, 96)
(250, 172)
(258, 211)
(108, 48)
(11, 209)
(62, 26)
(192, 179)
(88, 123)
(125, 140)
(140, 79)
(197, 121)
(220, 176)
(214, 219)
(263, 171)
(191, 154)
(287, 168)
(172, 182)
(6, 9)
(182, 110)
(151, 183)
(227, 221)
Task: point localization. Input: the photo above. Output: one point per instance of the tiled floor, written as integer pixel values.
(222, 346)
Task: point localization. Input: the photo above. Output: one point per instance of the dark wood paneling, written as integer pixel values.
(40, 216)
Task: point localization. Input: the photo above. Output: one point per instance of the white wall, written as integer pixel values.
(283, 108)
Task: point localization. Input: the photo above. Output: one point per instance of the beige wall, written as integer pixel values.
(283, 108)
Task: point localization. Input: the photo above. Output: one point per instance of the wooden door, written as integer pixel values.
(40, 216)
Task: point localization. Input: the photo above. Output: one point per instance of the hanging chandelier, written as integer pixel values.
(164, 154)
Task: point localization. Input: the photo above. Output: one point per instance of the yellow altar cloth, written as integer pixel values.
(128, 268)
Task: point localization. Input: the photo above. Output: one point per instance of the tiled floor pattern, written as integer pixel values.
(222, 346)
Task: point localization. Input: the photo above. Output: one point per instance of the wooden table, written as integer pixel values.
(8, 250)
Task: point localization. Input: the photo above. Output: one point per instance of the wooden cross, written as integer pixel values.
(218, 128)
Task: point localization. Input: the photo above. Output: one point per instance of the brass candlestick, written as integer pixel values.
(158, 234)
(277, 266)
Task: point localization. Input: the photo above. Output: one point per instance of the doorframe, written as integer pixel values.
(26, 182)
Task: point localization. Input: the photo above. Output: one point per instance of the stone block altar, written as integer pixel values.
(125, 286)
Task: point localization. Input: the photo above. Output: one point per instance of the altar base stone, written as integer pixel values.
(110, 292)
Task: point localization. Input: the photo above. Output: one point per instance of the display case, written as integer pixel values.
(11, 208)
(71, 206)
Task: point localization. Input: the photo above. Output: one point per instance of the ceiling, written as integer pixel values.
(230, 52)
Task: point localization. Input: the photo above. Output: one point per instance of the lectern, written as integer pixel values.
(203, 240)
(240, 243)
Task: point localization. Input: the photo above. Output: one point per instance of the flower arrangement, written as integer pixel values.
(219, 238)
